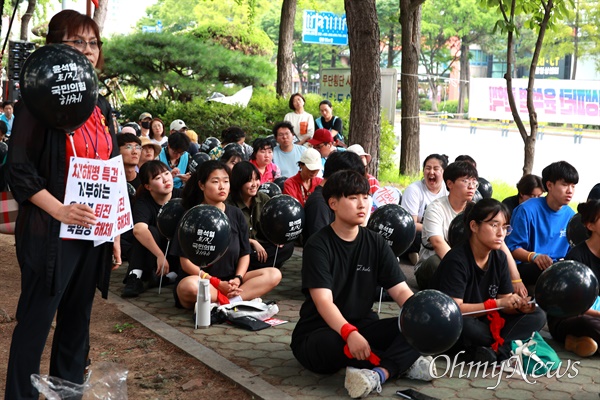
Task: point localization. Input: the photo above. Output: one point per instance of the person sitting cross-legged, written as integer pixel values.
(476, 275)
(341, 266)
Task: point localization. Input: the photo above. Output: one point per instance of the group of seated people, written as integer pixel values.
(509, 244)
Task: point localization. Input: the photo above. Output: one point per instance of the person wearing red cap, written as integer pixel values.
(322, 141)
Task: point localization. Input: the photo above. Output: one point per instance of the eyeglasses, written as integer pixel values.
(320, 146)
(79, 44)
(130, 147)
(496, 227)
(470, 183)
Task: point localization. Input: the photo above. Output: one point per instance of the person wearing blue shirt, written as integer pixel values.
(8, 116)
(176, 157)
(539, 235)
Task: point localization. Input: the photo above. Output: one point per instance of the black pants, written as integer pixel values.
(283, 254)
(141, 258)
(476, 331)
(322, 351)
(529, 272)
(581, 325)
(78, 265)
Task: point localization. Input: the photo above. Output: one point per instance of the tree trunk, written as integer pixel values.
(365, 106)
(26, 18)
(575, 42)
(285, 51)
(434, 89)
(462, 84)
(410, 19)
(390, 60)
(333, 58)
(100, 14)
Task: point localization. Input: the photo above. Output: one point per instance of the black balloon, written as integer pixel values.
(485, 188)
(197, 160)
(458, 232)
(238, 148)
(168, 218)
(59, 86)
(282, 219)
(566, 289)
(396, 225)
(204, 234)
(279, 182)
(131, 190)
(476, 197)
(270, 189)
(431, 322)
(209, 144)
(3, 151)
(576, 231)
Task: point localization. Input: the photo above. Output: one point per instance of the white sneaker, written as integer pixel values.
(360, 382)
(420, 369)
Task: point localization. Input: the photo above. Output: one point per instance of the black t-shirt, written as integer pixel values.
(334, 123)
(317, 213)
(351, 270)
(582, 253)
(239, 245)
(146, 209)
(460, 277)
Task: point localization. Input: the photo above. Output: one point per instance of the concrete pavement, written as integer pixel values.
(262, 362)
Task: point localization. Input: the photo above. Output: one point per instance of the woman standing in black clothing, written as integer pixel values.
(58, 277)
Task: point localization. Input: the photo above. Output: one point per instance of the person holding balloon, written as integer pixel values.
(341, 266)
(581, 334)
(476, 275)
(147, 259)
(59, 277)
(245, 182)
(232, 281)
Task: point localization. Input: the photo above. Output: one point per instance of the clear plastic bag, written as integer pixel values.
(105, 381)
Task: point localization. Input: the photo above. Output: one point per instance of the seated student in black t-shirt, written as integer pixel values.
(245, 181)
(234, 283)
(341, 266)
(475, 274)
(147, 257)
(581, 334)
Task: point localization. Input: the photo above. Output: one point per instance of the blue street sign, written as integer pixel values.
(324, 28)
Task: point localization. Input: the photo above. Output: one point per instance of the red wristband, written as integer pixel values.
(214, 281)
(490, 303)
(346, 330)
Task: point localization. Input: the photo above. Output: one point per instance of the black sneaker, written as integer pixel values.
(133, 286)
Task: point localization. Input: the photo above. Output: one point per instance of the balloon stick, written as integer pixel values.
(494, 309)
(380, 297)
(275, 259)
(162, 269)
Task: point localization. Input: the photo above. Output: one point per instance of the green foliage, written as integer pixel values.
(120, 328)
(451, 106)
(181, 66)
(234, 36)
(387, 147)
(502, 190)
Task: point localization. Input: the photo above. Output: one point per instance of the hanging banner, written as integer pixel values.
(324, 28)
(100, 184)
(560, 101)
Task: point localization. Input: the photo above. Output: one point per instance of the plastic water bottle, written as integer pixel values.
(203, 304)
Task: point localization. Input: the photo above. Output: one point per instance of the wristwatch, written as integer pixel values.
(240, 278)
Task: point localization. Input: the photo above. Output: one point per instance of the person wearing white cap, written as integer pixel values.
(177, 126)
(145, 121)
(366, 159)
(301, 185)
